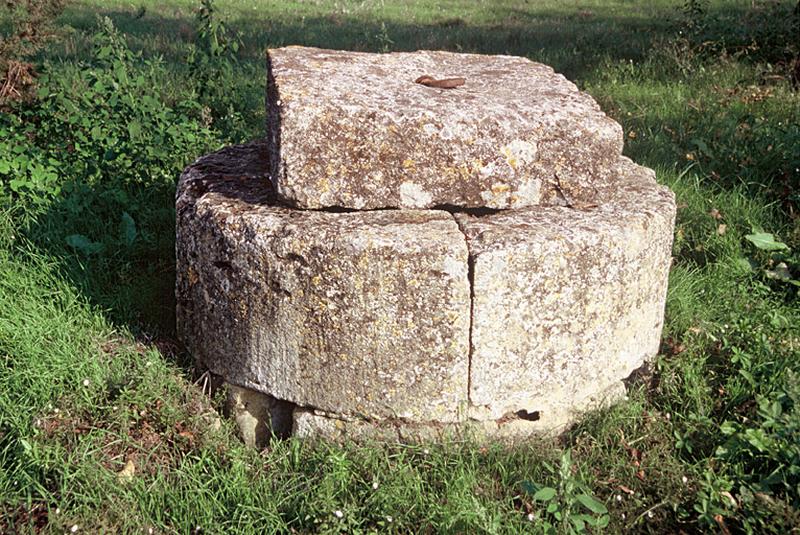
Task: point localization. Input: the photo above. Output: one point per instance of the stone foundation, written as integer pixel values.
(408, 262)
(409, 324)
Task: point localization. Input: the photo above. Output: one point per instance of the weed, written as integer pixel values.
(570, 508)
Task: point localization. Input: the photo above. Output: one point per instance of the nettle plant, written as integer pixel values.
(104, 123)
(569, 507)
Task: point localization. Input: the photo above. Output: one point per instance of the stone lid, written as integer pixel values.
(355, 130)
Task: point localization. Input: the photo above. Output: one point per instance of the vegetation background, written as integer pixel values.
(104, 426)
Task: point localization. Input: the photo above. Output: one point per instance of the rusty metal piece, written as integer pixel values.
(446, 83)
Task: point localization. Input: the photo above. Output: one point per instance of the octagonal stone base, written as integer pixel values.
(417, 324)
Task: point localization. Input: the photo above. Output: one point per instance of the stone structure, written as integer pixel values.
(517, 277)
(353, 130)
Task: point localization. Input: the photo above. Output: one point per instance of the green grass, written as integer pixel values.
(91, 377)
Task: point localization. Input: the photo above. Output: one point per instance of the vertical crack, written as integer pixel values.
(471, 282)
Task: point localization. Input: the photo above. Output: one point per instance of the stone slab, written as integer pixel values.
(567, 301)
(354, 313)
(354, 130)
(509, 430)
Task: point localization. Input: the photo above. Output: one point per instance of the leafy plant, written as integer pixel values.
(767, 448)
(108, 124)
(778, 262)
(571, 506)
(212, 62)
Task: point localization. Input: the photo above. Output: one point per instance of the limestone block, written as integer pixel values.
(567, 301)
(354, 130)
(353, 313)
(258, 416)
(311, 424)
(510, 429)
(251, 411)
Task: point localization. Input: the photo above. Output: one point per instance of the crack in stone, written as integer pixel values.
(478, 212)
(471, 282)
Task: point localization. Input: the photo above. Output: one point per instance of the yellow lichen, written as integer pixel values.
(499, 187)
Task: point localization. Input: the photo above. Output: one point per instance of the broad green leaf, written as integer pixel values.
(745, 264)
(578, 522)
(758, 439)
(134, 129)
(766, 242)
(83, 244)
(727, 428)
(591, 504)
(545, 494)
(127, 229)
(748, 376)
(701, 145)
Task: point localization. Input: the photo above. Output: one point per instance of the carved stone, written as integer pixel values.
(354, 130)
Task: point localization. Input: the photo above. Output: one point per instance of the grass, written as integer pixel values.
(92, 381)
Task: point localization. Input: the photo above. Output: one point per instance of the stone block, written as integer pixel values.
(354, 130)
(360, 313)
(567, 301)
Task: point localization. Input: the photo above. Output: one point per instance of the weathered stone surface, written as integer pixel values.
(258, 416)
(354, 130)
(418, 325)
(510, 429)
(353, 313)
(252, 412)
(566, 301)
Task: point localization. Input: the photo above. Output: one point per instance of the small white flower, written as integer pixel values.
(374, 485)
(618, 497)
(623, 516)
(685, 480)
(426, 451)
(74, 528)
(86, 382)
(338, 514)
(148, 364)
(58, 511)
(650, 514)
(389, 519)
(530, 517)
(56, 411)
(667, 416)
(150, 531)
